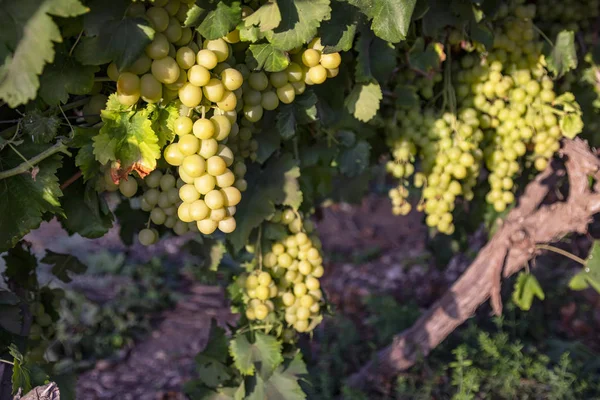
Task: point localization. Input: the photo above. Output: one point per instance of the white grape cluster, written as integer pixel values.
(161, 200)
(505, 112)
(288, 283)
(221, 102)
(211, 190)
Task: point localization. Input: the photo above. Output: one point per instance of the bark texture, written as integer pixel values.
(509, 250)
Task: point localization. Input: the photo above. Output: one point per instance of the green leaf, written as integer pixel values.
(111, 36)
(563, 56)
(127, 137)
(212, 366)
(337, 33)
(267, 57)
(406, 96)
(354, 160)
(63, 77)
(21, 377)
(86, 213)
(41, 128)
(590, 276)
(131, 221)
(163, 119)
(579, 281)
(267, 17)
(481, 33)
(220, 21)
(275, 184)
(299, 22)
(21, 266)
(526, 288)
(302, 111)
(17, 216)
(10, 318)
(571, 125)
(375, 59)
(83, 139)
(26, 44)
(424, 59)
(363, 101)
(263, 355)
(269, 140)
(282, 384)
(390, 18)
(63, 265)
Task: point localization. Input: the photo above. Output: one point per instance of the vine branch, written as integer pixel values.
(59, 147)
(527, 227)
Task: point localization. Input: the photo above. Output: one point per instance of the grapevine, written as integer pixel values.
(234, 123)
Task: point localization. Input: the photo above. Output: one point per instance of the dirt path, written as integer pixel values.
(157, 367)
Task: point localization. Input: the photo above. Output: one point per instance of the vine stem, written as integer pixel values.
(70, 181)
(59, 147)
(6, 361)
(562, 253)
(259, 247)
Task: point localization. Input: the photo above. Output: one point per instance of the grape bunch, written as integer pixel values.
(507, 115)
(220, 101)
(210, 191)
(286, 283)
(161, 200)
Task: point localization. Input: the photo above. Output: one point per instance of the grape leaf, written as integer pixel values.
(337, 33)
(113, 36)
(363, 101)
(425, 58)
(282, 384)
(571, 125)
(299, 22)
(526, 288)
(21, 265)
(62, 264)
(563, 56)
(220, 21)
(266, 188)
(41, 128)
(18, 217)
(211, 363)
(263, 355)
(267, 17)
(390, 18)
(590, 276)
(406, 96)
(482, 33)
(269, 140)
(127, 138)
(375, 58)
(302, 111)
(198, 391)
(63, 77)
(83, 139)
(26, 44)
(131, 221)
(354, 160)
(266, 56)
(21, 376)
(86, 213)
(10, 318)
(163, 120)
(10, 313)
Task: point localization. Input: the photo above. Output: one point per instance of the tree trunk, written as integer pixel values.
(509, 250)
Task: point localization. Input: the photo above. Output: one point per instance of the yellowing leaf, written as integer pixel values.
(128, 139)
